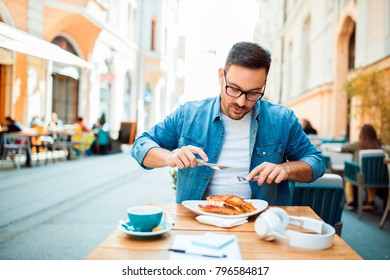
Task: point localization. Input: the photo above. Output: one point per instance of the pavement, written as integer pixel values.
(63, 210)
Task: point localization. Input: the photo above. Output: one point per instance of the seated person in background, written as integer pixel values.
(36, 121)
(55, 122)
(12, 125)
(80, 125)
(307, 128)
(96, 126)
(367, 140)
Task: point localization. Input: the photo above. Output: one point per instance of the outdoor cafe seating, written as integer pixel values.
(387, 209)
(37, 144)
(325, 196)
(370, 172)
(14, 147)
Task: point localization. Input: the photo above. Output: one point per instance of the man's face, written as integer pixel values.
(244, 79)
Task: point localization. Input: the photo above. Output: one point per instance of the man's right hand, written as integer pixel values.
(185, 157)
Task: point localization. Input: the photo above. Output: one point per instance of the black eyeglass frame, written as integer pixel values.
(242, 91)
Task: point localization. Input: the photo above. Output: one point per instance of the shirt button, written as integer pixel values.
(223, 133)
(215, 156)
(264, 153)
(205, 179)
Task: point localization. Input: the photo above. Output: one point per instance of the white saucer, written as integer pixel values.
(164, 224)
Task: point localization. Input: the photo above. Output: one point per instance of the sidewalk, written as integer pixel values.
(64, 210)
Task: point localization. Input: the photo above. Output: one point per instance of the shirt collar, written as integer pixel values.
(256, 109)
(217, 109)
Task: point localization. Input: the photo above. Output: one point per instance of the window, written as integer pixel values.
(153, 35)
(65, 96)
(306, 53)
(351, 51)
(127, 98)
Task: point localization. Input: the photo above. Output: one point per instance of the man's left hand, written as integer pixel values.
(268, 172)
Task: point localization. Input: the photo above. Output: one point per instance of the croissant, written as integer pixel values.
(227, 205)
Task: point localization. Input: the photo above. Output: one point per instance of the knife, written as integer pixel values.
(214, 166)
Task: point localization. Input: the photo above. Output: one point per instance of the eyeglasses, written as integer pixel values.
(236, 92)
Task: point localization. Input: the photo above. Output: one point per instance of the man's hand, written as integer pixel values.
(182, 158)
(268, 172)
(185, 157)
(298, 171)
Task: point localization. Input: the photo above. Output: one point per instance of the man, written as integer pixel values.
(80, 125)
(55, 122)
(237, 129)
(12, 125)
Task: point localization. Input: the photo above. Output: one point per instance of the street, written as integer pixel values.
(65, 209)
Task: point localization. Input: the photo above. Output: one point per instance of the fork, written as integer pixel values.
(211, 165)
(239, 179)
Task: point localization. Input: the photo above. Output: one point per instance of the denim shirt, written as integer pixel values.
(275, 136)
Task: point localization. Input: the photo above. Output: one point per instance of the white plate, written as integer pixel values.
(193, 206)
(166, 227)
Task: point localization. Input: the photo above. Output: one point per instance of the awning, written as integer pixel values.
(14, 39)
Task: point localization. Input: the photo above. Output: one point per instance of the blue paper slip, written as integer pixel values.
(213, 240)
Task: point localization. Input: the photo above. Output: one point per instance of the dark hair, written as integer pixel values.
(368, 138)
(306, 123)
(249, 55)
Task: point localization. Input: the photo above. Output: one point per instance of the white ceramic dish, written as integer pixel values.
(128, 229)
(193, 206)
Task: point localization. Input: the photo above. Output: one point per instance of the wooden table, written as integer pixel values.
(120, 246)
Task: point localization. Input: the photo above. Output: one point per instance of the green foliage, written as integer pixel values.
(372, 89)
(173, 173)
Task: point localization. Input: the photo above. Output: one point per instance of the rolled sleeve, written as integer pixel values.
(140, 149)
(315, 161)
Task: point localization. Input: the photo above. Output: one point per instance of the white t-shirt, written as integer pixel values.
(234, 153)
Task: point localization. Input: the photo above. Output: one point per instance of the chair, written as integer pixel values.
(43, 144)
(325, 196)
(336, 157)
(382, 222)
(82, 142)
(63, 143)
(370, 172)
(16, 145)
(327, 163)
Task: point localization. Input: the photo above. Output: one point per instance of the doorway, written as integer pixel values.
(65, 98)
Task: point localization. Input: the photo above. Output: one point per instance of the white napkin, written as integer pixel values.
(221, 222)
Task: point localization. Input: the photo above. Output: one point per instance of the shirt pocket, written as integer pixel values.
(272, 152)
(185, 141)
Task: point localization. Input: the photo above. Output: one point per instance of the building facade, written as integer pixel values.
(317, 47)
(132, 78)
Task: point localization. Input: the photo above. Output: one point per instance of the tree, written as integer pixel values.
(372, 90)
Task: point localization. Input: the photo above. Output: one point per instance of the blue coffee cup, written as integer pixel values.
(144, 218)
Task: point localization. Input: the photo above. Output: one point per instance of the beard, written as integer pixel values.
(237, 112)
